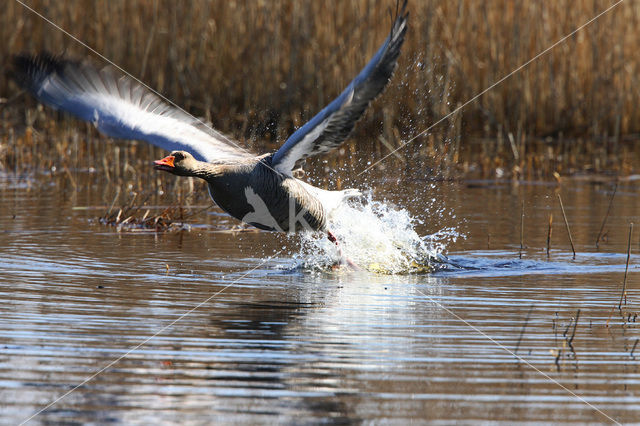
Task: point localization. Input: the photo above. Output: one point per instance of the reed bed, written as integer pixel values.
(259, 69)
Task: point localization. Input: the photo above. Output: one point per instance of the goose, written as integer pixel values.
(260, 190)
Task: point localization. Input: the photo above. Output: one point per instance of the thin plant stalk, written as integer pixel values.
(626, 268)
(522, 230)
(566, 222)
(549, 230)
(606, 216)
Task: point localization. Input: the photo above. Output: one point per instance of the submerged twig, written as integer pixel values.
(554, 327)
(524, 326)
(566, 222)
(604, 221)
(573, 332)
(626, 268)
(557, 360)
(634, 347)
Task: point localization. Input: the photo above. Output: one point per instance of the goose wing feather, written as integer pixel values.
(119, 106)
(331, 126)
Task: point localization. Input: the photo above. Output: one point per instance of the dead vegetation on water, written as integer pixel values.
(129, 217)
(619, 322)
(573, 337)
(148, 211)
(258, 70)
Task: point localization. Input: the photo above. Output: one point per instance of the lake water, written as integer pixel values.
(209, 325)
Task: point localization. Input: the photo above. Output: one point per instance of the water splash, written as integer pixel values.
(377, 236)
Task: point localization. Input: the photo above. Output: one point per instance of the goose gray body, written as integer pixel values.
(242, 188)
(257, 189)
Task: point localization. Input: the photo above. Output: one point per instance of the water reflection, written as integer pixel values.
(301, 347)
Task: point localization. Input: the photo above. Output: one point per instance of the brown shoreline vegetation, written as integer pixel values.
(257, 70)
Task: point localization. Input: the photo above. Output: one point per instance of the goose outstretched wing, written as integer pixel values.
(331, 126)
(118, 106)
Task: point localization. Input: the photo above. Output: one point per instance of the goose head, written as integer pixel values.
(179, 163)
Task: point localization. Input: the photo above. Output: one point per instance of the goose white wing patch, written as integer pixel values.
(299, 150)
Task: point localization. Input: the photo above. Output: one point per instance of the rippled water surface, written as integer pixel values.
(228, 327)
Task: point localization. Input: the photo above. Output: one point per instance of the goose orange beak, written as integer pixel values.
(165, 164)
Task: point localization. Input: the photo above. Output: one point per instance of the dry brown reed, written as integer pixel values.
(521, 230)
(626, 269)
(259, 69)
(606, 216)
(135, 216)
(566, 223)
(549, 233)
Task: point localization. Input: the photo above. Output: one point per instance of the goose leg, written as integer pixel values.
(334, 240)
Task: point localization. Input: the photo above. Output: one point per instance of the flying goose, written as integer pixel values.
(260, 190)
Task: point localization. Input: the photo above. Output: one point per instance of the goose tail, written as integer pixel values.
(331, 200)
